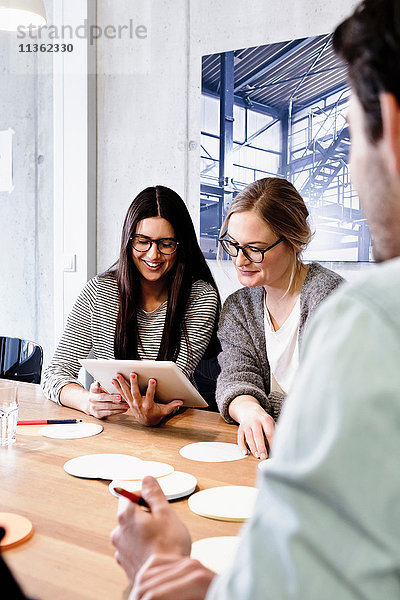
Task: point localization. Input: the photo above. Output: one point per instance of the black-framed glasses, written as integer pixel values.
(142, 243)
(252, 253)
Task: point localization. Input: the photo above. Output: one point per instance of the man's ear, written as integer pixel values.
(390, 111)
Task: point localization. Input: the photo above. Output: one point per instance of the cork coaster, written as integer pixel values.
(18, 530)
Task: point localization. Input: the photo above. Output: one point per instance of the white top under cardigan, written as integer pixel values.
(282, 348)
(244, 364)
(91, 327)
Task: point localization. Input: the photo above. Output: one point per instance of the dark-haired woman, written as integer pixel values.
(158, 302)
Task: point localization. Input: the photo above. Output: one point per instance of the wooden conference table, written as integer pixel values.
(70, 556)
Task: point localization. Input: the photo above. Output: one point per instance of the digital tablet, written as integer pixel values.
(172, 384)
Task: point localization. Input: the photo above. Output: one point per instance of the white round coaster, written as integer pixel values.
(216, 553)
(102, 466)
(212, 452)
(70, 431)
(226, 503)
(150, 467)
(175, 485)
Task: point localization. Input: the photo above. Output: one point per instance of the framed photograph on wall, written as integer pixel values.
(279, 110)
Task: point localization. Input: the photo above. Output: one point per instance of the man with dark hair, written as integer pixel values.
(327, 520)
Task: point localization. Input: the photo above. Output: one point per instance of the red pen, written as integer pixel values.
(49, 422)
(132, 497)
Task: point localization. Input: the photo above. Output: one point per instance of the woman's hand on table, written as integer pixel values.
(141, 533)
(101, 404)
(166, 576)
(256, 426)
(145, 409)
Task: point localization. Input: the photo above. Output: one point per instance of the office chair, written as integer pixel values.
(20, 360)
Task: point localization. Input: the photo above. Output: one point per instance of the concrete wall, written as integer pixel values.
(142, 111)
(26, 214)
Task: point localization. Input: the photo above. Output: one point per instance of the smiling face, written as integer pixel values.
(247, 228)
(152, 265)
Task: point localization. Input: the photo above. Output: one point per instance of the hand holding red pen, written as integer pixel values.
(141, 533)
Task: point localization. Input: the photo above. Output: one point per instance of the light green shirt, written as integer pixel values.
(327, 520)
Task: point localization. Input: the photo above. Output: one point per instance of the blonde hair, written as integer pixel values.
(280, 205)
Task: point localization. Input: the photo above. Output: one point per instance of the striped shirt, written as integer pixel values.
(91, 329)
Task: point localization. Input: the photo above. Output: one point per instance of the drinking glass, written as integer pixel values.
(8, 412)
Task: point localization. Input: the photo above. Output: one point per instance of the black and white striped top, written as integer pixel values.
(91, 328)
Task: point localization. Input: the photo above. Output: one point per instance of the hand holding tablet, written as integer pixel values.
(101, 404)
(171, 384)
(145, 409)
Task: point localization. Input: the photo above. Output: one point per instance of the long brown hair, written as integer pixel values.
(282, 208)
(190, 266)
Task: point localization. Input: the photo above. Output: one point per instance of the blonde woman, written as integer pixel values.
(261, 325)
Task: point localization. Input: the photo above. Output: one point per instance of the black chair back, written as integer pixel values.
(207, 371)
(205, 378)
(20, 360)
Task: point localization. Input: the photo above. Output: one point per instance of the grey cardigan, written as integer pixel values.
(243, 360)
